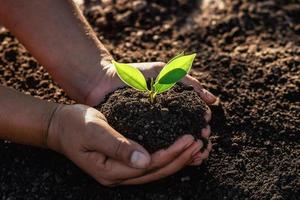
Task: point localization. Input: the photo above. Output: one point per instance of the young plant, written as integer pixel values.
(171, 73)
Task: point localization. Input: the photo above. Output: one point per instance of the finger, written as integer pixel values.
(200, 142)
(196, 156)
(201, 156)
(207, 115)
(205, 132)
(106, 171)
(204, 155)
(209, 146)
(196, 162)
(117, 146)
(91, 163)
(115, 170)
(169, 169)
(165, 156)
(158, 160)
(149, 69)
(208, 97)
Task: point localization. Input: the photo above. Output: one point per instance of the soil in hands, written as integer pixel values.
(155, 125)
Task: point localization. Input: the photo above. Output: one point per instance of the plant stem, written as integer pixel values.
(152, 93)
(152, 96)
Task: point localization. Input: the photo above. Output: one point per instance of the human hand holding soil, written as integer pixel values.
(77, 61)
(111, 82)
(81, 133)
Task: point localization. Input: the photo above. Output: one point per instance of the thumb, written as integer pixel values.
(114, 145)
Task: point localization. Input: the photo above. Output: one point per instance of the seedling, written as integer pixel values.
(171, 73)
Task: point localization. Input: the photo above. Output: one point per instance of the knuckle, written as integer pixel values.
(121, 149)
(100, 164)
(118, 149)
(208, 114)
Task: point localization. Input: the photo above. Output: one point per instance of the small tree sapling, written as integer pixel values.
(171, 73)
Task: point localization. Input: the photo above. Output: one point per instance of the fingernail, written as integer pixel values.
(188, 140)
(201, 144)
(196, 149)
(207, 116)
(206, 131)
(139, 160)
(197, 155)
(209, 96)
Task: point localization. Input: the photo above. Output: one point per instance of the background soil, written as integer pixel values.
(247, 54)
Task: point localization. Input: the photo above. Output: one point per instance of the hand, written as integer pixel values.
(83, 135)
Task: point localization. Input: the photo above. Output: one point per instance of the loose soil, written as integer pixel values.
(155, 125)
(248, 54)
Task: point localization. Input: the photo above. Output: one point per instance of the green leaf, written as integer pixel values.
(131, 76)
(180, 61)
(172, 76)
(160, 88)
(174, 71)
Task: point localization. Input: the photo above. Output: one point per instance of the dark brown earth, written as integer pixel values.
(248, 54)
(155, 125)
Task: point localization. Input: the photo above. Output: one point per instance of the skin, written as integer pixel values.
(69, 50)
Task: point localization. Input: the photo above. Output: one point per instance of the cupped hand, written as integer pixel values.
(110, 82)
(83, 135)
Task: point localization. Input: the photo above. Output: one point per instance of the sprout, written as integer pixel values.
(172, 72)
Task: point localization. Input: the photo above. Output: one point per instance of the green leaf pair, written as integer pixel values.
(172, 72)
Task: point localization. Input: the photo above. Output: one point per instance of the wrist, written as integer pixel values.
(52, 132)
(80, 75)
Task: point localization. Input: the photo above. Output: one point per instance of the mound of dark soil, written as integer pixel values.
(155, 125)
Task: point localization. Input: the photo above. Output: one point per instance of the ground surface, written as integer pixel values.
(248, 55)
